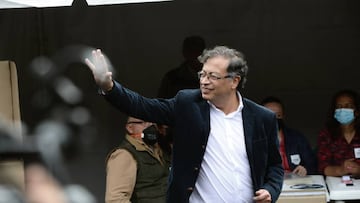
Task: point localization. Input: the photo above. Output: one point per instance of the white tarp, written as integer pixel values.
(34, 3)
(57, 3)
(104, 2)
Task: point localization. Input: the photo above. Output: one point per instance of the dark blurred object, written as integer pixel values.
(12, 155)
(10, 148)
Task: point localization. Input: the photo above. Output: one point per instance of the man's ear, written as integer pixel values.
(236, 82)
(128, 129)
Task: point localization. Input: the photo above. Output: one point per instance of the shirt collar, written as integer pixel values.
(239, 108)
(138, 144)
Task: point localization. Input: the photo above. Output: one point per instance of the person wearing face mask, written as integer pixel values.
(296, 152)
(137, 170)
(339, 142)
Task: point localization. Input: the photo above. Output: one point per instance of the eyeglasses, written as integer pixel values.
(135, 122)
(213, 76)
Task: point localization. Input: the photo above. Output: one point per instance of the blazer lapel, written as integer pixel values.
(205, 114)
(249, 125)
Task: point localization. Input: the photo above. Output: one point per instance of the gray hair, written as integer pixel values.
(237, 60)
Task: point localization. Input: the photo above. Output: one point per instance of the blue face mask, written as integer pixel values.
(344, 115)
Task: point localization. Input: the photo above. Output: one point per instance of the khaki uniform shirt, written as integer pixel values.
(121, 171)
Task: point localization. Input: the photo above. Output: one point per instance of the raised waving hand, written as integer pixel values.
(100, 69)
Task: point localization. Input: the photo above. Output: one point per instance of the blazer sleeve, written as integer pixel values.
(133, 104)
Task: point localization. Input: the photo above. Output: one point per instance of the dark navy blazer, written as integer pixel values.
(189, 116)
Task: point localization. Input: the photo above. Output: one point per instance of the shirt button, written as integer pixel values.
(203, 146)
(190, 188)
(196, 169)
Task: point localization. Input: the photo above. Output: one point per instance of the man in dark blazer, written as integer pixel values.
(225, 147)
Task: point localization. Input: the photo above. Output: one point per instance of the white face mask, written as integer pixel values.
(344, 115)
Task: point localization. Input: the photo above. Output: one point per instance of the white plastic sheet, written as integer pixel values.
(34, 3)
(58, 3)
(107, 2)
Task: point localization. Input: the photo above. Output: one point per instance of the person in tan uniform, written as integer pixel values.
(137, 170)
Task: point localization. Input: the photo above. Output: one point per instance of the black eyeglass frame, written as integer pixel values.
(135, 122)
(212, 77)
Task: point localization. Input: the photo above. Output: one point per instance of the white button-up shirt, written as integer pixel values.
(225, 171)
